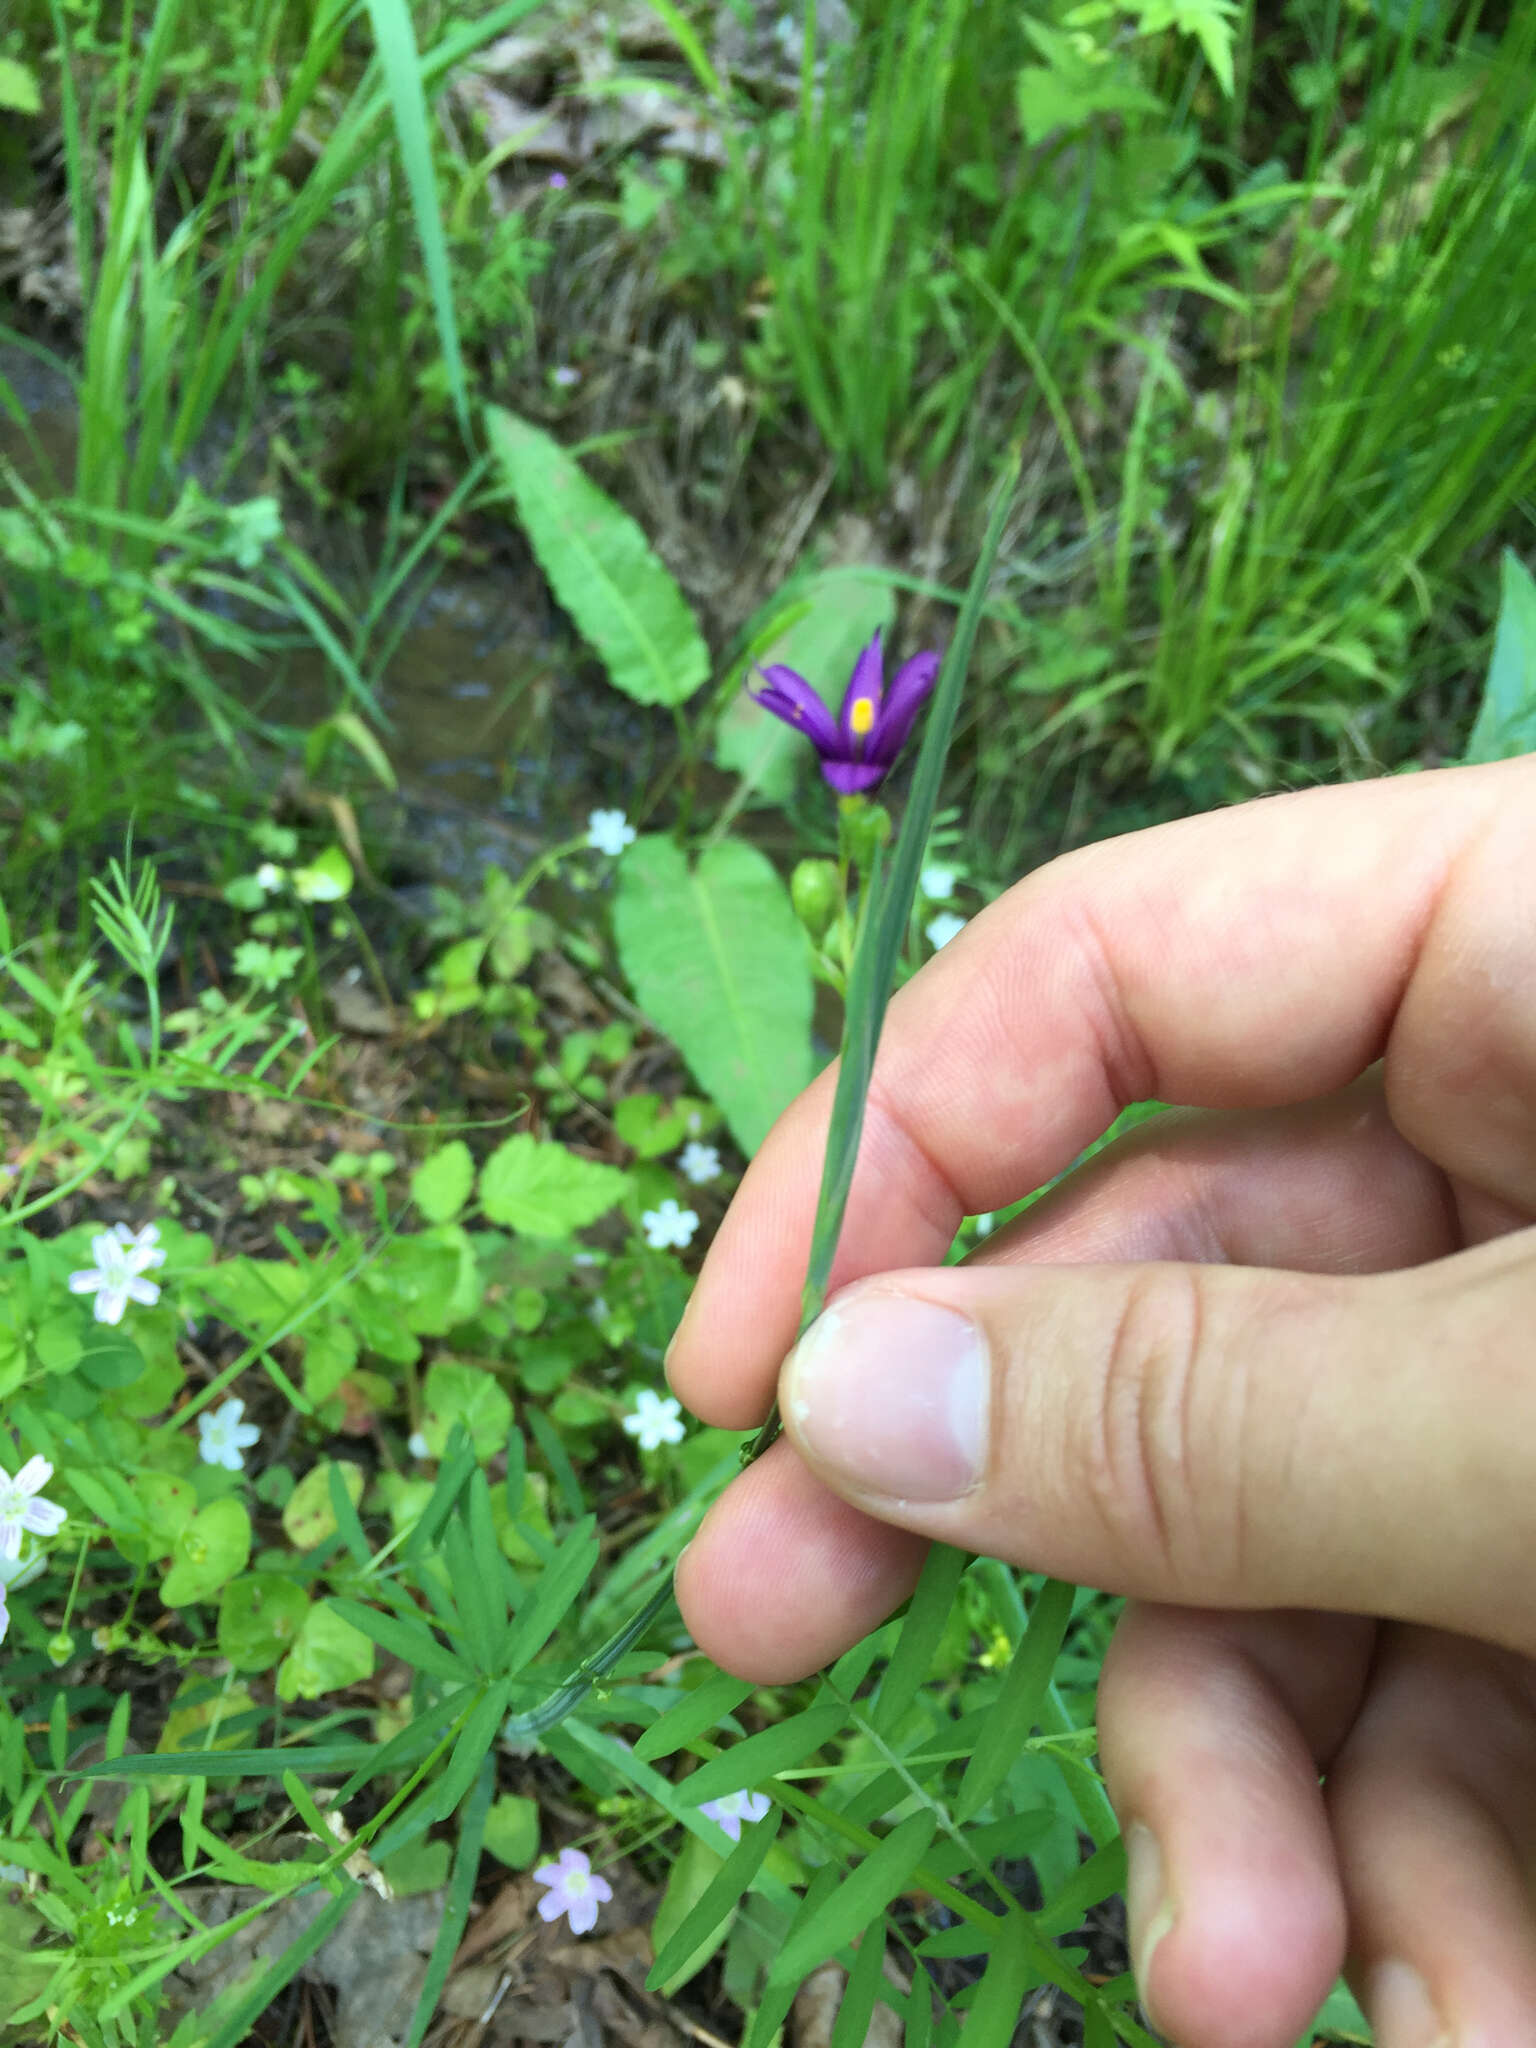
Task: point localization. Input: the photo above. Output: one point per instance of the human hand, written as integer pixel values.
(1266, 1366)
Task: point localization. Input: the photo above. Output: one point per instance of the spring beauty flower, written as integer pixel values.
(573, 1891)
(654, 1421)
(223, 1439)
(859, 747)
(20, 1508)
(609, 831)
(669, 1226)
(736, 1807)
(941, 929)
(699, 1163)
(122, 1258)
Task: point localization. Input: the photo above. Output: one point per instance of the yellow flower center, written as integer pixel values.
(862, 716)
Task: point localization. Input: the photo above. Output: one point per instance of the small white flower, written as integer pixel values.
(668, 1226)
(573, 1891)
(585, 1259)
(609, 831)
(699, 1163)
(20, 1509)
(654, 1421)
(736, 1807)
(566, 375)
(941, 929)
(11, 1873)
(118, 1274)
(270, 876)
(223, 1439)
(417, 1445)
(938, 884)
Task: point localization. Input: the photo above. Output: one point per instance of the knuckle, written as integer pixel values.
(1165, 1502)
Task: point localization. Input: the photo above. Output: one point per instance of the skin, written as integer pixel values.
(1266, 1366)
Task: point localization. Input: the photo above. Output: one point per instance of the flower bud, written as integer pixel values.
(60, 1649)
(816, 894)
(863, 828)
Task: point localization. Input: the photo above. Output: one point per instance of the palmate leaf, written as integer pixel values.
(600, 566)
(717, 958)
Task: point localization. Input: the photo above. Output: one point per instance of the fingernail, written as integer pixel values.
(1147, 1905)
(891, 1395)
(1401, 2012)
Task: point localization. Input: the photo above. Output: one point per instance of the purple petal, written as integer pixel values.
(602, 1889)
(867, 681)
(583, 1914)
(848, 778)
(790, 697)
(552, 1905)
(909, 692)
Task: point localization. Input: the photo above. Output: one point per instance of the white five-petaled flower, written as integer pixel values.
(609, 831)
(669, 1226)
(699, 1163)
(937, 883)
(417, 1445)
(573, 1891)
(20, 1508)
(223, 1439)
(941, 929)
(654, 1421)
(122, 1258)
(736, 1807)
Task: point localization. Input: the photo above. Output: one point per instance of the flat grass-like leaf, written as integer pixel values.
(925, 1622)
(994, 2013)
(556, 1593)
(764, 1755)
(695, 1714)
(707, 1918)
(1506, 717)
(1013, 1718)
(601, 567)
(864, 1894)
(411, 1641)
(717, 958)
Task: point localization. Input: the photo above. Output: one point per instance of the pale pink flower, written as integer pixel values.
(573, 1891)
(735, 1807)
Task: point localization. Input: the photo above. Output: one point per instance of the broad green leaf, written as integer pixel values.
(327, 879)
(601, 567)
(512, 1830)
(469, 1396)
(864, 1893)
(1017, 1708)
(830, 618)
(440, 1185)
(328, 1654)
(18, 88)
(694, 1715)
(309, 1516)
(717, 958)
(542, 1189)
(1506, 718)
(259, 1619)
(764, 1755)
(207, 1553)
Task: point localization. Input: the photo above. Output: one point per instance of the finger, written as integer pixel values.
(1433, 1804)
(1204, 1435)
(1211, 1727)
(1198, 963)
(792, 1575)
(1330, 1182)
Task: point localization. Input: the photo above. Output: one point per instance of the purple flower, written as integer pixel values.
(573, 1891)
(858, 748)
(557, 181)
(735, 1808)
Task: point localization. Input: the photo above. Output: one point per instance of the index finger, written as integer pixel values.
(1247, 958)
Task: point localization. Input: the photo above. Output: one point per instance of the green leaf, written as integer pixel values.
(327, 879)
(694, 1715)
(1341, 2018)
(259, 1619)
(469, 1396)
(328, 1654)
(698, 1930)
(601, 567)
(994, 2013)
(765, 1754)
(512, 1830)
(18, 88)
(440, 1185)
(830, 618)
(411, 1641)
(693, 1869)
(864, 1893)
(857, 2008)
(1017, 1708)
(556, 1592)
(717, 958)
(207, 1553)
(1506, 718)
(926, 1620)
(541, 1189)
(310, 1516)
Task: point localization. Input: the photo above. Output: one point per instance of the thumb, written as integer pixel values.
(1203, 1435)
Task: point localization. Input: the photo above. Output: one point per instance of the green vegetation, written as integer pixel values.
(416, 420)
